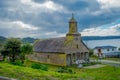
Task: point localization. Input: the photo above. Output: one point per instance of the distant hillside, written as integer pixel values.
(24, 40)
(2, 39)
(31, 40)
(28, 40)
(99, 37)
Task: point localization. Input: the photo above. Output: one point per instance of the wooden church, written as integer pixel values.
(63, 51)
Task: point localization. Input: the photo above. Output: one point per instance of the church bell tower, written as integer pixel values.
(73, 30)
(72, 25)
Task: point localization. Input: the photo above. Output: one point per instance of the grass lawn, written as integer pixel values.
(27, 73)
(114, 59)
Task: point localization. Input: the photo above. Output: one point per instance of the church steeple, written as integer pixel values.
(72, 25)
(73, 31)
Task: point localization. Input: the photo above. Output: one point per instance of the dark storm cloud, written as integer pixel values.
(53, 15)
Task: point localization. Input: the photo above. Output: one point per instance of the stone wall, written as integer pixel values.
(49, 58)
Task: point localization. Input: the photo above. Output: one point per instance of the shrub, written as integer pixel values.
(44, 67)
(60, 69)
(90, 52)
(64, 70)
(35, 66)
(17, 62)
(39, 66)
(90, 63)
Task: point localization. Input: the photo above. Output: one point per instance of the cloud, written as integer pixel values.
(16, 28)
(49, 18)
(102, 31)
(18, 25)
(23, 25)
(21, 29)
(106, 4)
(47, 5)
(54, 34)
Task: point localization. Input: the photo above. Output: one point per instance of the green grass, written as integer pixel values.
(114, 59)
(27, 73)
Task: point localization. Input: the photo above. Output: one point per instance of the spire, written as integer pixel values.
(72, 16)
(73, 30)
(72, 25)
(72, 19)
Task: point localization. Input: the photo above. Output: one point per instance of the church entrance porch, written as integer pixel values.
(72, 58)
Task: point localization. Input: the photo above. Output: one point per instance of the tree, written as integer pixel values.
(119, 49)
(12, 49)
(25, 50)
(90, 52)
(4, 53)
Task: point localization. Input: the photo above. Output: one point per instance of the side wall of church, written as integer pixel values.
(49, 58)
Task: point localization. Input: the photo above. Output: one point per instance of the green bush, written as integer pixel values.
(39, 66)
(90, 63)
(17, 62)
(35, 66)
(64, 70)
(90, 52)
(44, 67)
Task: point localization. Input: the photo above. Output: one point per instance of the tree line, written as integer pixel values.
(13, 50)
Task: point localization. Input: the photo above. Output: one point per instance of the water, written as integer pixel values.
(107, 42)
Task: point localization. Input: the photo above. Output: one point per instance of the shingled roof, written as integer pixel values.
(50, 45)
(56, 45)
(104, 47)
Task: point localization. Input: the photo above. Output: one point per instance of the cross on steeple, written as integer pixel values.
(72, 18)
(73, 33)
(72, 25)
(72, 15)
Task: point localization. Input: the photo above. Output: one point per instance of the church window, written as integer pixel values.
(74, 57)
(48, 56)
(77, 46)
(76, 39)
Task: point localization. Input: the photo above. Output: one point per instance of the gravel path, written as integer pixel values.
(95, 66)
(6, 78)
(109, 62)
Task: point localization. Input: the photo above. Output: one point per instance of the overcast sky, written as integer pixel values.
(49, 18)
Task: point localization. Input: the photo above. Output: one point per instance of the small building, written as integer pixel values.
(106, 51)
(63, 51)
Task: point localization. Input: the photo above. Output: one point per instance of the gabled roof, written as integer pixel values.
(104, 47)
(57, 45)
(50, 45)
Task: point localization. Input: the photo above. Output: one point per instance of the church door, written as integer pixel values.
(69, 59)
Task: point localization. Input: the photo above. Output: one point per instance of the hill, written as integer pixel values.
(99, 37)
(2, 39)
(31, 40)
(28, 40)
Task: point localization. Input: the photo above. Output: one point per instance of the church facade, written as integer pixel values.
(63, 51)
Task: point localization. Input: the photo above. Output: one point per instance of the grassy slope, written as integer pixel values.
(114, 59)
(27, 73)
